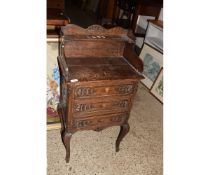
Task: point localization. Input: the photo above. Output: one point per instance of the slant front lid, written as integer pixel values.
(103, 68)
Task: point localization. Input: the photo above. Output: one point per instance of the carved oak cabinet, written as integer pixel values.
(99, 78)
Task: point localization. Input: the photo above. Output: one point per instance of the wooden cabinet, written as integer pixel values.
(56, 17)
(55, 4)
(99, 79)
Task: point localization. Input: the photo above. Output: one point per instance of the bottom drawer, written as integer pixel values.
(99, 121)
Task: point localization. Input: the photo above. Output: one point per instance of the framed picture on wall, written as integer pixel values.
(153, 62)
(157, 88)
(53, 83)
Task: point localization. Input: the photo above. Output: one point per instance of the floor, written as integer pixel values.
(93, 153)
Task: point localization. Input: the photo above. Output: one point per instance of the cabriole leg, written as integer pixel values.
(124, 129)
(66, 141)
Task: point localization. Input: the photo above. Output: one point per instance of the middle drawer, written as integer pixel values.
(100, 106)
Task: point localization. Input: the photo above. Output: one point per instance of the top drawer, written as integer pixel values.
(88, 91)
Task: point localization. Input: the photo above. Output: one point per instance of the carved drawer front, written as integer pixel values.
(98, 91)
(83, 108)
(99, 121)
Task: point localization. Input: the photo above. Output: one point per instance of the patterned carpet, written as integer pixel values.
(93, 153)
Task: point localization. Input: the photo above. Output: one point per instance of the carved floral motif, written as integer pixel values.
(125, 89)
(123, 103)
(81, 123)
(84, 91)
(82, 107)
(96, 28)
(73, 29)
(64, 94)
(119, 118)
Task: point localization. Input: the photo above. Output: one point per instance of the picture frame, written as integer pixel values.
(54, 126)
(153, 62)
(53, 83)
(157, 88)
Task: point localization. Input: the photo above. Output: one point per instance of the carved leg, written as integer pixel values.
(60, 114)
(66, 141)
(124, 129)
